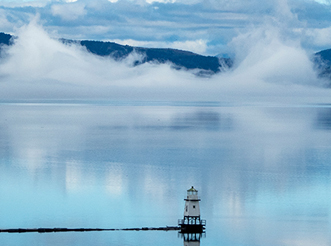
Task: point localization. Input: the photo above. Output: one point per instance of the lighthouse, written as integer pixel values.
(192, 222)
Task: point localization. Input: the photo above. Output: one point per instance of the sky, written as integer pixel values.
(202, 26)
(272, 42)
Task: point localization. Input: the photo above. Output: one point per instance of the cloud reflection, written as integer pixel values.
(73, 177)
(115, 181)
(268, 168)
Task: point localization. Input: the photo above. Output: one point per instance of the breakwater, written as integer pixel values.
(50, 230)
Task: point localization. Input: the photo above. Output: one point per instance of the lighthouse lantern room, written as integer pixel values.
(192, 221)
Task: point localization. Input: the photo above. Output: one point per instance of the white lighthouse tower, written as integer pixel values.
(192, 221)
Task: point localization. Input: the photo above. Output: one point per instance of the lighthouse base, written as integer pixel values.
(191, 228)
(189, 225)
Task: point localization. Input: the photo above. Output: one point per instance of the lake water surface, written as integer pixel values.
(262, 172)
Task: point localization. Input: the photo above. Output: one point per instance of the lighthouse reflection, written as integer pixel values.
(192, 239)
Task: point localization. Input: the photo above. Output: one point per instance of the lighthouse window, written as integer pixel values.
(186, 208)
(193, 206)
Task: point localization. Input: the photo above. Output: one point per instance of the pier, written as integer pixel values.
(50, 230)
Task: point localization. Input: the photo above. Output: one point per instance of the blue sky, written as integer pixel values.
(202, 26)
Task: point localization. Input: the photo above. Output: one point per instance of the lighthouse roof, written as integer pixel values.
(192, 189)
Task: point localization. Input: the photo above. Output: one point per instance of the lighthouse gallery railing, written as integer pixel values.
(191, 222)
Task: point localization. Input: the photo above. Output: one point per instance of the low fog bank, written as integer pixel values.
(267, 70)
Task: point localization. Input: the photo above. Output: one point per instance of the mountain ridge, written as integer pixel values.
(322, 61)
(179, 59)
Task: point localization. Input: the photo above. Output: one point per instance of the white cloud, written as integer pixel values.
(70, 11)
(18, 3)
(160, 1)
(265, 54)
(189, 2)
(273, 70)
(318, 36)
(215, 22)
(196, 46)
(4, 23)
(326, 2)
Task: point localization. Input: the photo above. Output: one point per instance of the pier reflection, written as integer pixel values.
(192, 239)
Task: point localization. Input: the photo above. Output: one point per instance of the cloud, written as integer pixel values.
(70, 11)
(318, 36)
(271, 70)
(160, 1)
(5, 25)
(38, 66)
(196, 46)
(167, 21)
(265, 55)
(20, 3)
(326, 2)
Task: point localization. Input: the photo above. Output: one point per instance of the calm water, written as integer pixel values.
(263, 173)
